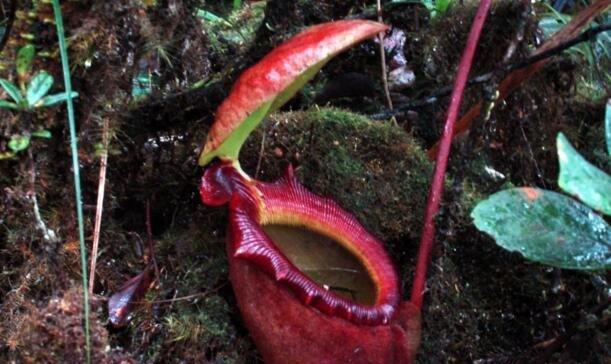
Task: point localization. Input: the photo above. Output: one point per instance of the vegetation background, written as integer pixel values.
(149, 75)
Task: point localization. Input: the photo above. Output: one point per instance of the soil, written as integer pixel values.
(149, 76)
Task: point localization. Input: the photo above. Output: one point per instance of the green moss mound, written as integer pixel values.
(373, 169)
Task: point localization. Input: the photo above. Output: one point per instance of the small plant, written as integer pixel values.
(31, 93)
(34, 94)
(21, 142)
(550, 227)
(437, 7)
(235, 29)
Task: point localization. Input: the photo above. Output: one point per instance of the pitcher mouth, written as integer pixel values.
(266, 218)
(325, 261)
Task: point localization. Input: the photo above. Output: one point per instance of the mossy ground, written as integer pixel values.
(483, 304)
(373, 168)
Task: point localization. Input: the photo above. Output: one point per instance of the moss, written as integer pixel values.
(190, 315)
(373, 169)
(448, 33)
(207, 322)
(54, 334)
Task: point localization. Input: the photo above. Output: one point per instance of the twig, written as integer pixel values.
(63, 51)
(149, 239)
(519, 35)
(173, 299)
(486, 77)
(261, 150)
(99, 206)
(383, 58)
(185, 298)
(583, 37)
(532, 155)
(436, 191)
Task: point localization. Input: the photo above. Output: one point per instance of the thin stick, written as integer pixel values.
(260, 159)
(185, 298)
(149, 239)
(436, 191)
(383, 58)
(99, 206)
(63, 51)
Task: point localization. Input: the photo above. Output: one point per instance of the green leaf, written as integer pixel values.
(19, 143)
(8, 105)
(546, 227)
(11, 90)
(580, 178)
(269, 84)
(45, 134)
(25, 56)
(54, 99)
(230, 148)
(442, 6)
(38, 87)
(608, 126)
(211, 17)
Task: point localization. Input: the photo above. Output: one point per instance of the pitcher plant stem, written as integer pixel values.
(436, 190)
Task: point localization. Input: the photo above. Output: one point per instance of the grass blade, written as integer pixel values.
(75, 166)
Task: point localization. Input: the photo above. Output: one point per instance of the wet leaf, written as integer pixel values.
(546, 227)
(38, 87)
(8, 105)
(11, 90)
(269, 84)
(25, 56)
(437, 7)
(580, 178)
(211, 17)
(45, 134)
(54, 99)
(441, 6)
(19, 143)
(121, 303)
(608, 126)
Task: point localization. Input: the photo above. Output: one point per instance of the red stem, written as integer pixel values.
(436, 191)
